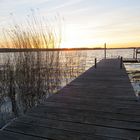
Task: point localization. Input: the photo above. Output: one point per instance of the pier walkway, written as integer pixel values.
(98, 105)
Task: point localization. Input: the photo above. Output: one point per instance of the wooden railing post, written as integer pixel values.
(95, 61)
(134, 53)
(121, 63)
(105, 51)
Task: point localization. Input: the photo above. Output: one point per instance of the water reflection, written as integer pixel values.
(133, 70)
(28, 78)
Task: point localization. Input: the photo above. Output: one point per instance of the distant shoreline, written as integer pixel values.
(6, 50)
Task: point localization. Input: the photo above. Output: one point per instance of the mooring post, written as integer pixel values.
(121, 63)
(134, 53)
(95, 63)
(105, 50)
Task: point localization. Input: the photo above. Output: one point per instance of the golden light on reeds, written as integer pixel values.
(32, 32)
(27, 78)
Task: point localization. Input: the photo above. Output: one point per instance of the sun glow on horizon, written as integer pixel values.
(73, 36)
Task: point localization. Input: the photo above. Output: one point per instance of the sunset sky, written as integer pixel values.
(86, 23)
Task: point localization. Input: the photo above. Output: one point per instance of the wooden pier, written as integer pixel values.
(98, 105)
(131, 60)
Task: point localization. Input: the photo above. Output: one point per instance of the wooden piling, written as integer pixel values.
(105, 51)
(95, 61)
(134, 53)
(121, 62)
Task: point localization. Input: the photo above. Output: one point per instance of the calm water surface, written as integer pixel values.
(132, 69)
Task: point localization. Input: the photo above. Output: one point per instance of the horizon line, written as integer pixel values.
(6, 50)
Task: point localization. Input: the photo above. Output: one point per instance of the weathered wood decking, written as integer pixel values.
(131, 60)
(99, 105)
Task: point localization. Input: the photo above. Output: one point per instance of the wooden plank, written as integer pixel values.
(88, 117)
(53, 133)
(67, 134)
(97, 96)
(84, 113)
(7, 135)
(93, 100)
(96, 93)
(91, 107)
(64, 122)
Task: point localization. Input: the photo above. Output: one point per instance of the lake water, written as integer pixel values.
(71, 65)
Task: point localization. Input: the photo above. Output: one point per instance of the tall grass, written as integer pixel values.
(28, 78)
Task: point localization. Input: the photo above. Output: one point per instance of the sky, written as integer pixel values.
(85, 23)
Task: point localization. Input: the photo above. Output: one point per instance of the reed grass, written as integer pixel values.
(28, 78)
